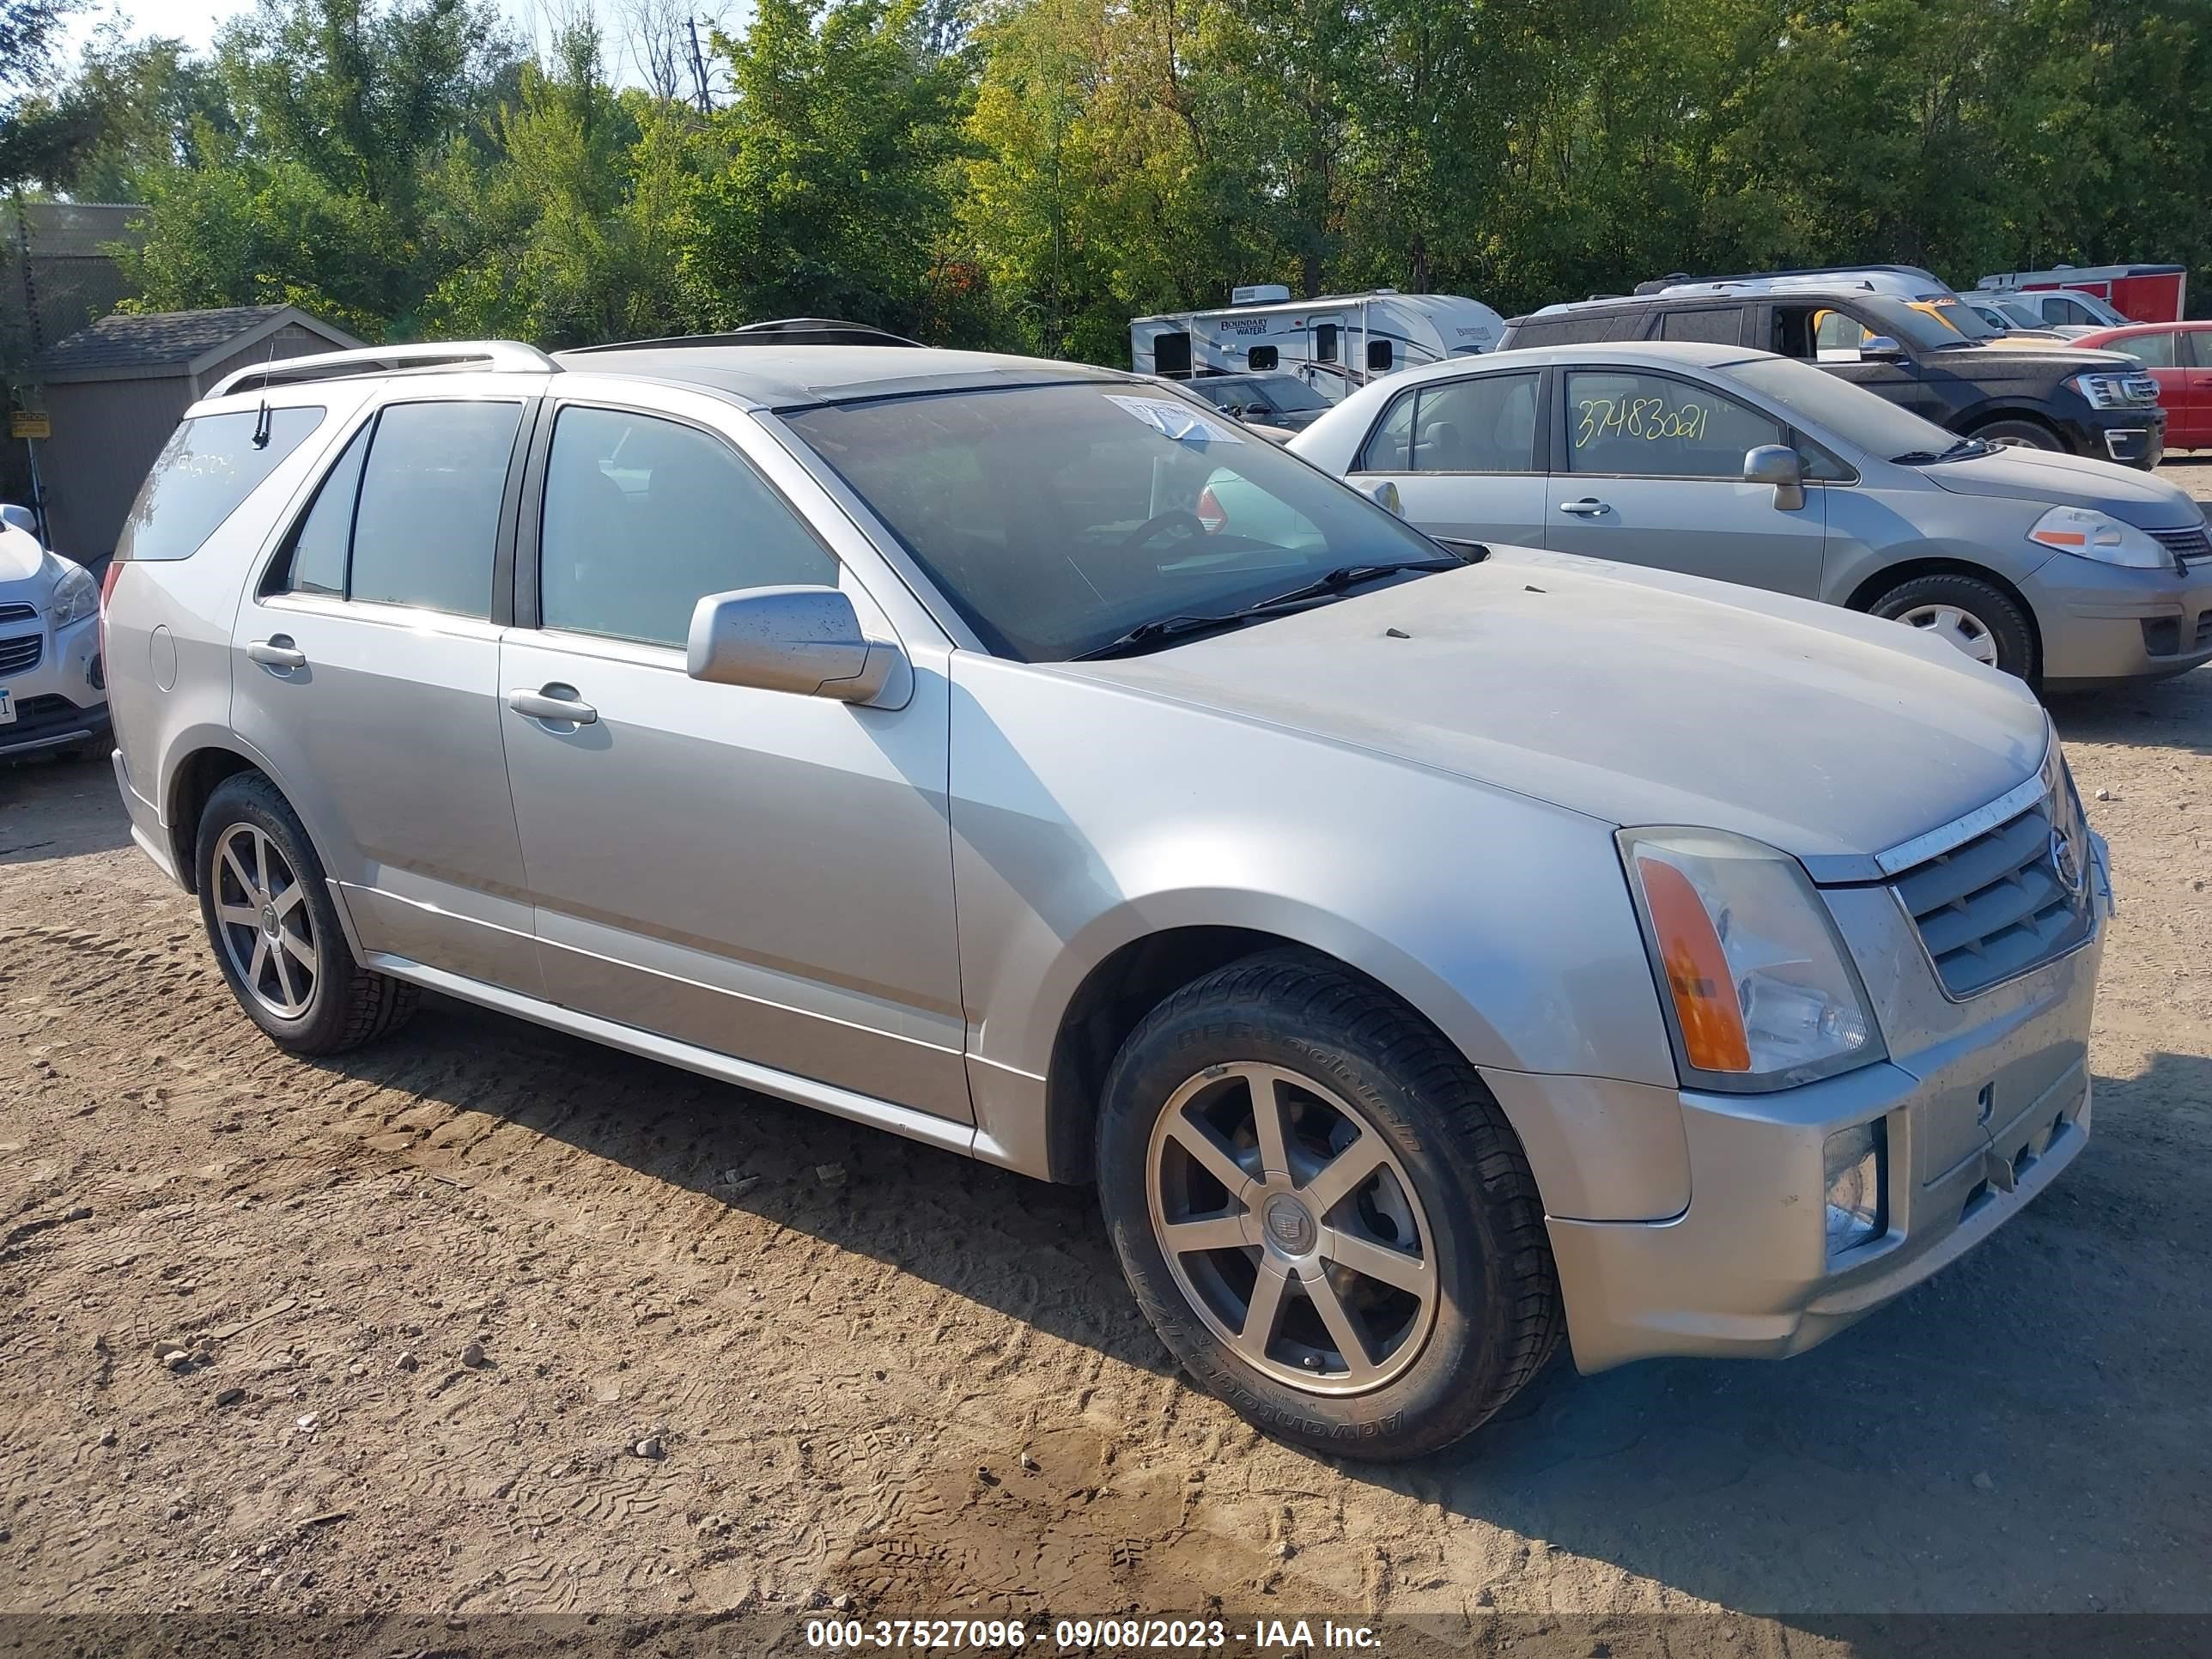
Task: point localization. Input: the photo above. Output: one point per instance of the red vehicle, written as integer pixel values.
(2141, 294)
(2179, 358)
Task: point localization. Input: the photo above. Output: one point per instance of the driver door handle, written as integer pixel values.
(278, 651)
(552, 702)
(1588, 507)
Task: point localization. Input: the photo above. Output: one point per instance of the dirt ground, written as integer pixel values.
(445, 1292)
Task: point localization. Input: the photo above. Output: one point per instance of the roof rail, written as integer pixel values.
(785, 331)
(507, 355)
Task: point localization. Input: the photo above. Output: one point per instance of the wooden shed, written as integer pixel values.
(114, 393)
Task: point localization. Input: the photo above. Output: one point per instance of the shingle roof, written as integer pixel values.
(154, 340)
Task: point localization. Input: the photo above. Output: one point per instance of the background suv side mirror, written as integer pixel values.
(1880, 348)
(803, 640)
(1780, 466)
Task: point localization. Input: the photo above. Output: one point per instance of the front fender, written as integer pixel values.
(1086, 816)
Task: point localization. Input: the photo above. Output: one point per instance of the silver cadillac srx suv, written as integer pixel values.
(1429, 951)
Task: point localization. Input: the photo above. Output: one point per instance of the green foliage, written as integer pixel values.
(1036, 172)
(830, 180)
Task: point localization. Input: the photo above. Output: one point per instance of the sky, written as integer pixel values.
(195, 23)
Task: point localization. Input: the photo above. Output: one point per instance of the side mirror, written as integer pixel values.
(1880, 348)
(1383, 493)
(1780, 466)
(19, 517)
(803, 640)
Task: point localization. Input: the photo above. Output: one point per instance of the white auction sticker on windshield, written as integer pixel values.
(1178, 421)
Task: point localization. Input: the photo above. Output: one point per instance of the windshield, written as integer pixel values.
(1912, 327)
(1832, 405)
(1969, 322)
(1056, 518)
(1288, 392)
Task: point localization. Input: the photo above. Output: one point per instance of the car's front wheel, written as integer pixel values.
(274, 926)
(1324, 1212)
(1972, 616)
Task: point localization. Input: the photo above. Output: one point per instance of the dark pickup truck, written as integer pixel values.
(2090, 402)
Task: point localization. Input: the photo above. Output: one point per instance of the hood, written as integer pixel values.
(2028, 359)
(2141, 499)
(1636, 697)
(21, 558)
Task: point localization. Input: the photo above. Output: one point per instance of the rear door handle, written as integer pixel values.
(278, 651)
(1588, 507)
(552, 702)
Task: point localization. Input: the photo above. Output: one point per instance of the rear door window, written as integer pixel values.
(316, 560)
(428, 520)
(205, 472)
(1486, 424)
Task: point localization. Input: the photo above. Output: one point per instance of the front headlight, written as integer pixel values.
(2092, 535)
(77, 596)
(1760, 993)
(2112, 390)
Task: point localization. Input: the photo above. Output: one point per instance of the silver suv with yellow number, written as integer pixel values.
(1428, 955)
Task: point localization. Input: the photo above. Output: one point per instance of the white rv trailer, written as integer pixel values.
(1335, 342)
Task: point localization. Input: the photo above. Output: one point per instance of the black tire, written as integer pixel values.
(2029, 434)
(1497, 1316)
(348, 1005)
(1996, 612)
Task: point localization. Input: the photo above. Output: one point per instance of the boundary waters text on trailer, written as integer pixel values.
(1344, 340)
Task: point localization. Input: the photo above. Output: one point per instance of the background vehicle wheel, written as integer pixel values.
(2023, 434)
(1324, 1212)
(275, 930)
(1976, 616)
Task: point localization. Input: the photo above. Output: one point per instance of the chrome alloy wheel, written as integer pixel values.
(268, 931)
(1291, 1229)
(1954, 627)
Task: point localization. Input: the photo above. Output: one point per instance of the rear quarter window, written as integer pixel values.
(204, 473)
(1584, 329)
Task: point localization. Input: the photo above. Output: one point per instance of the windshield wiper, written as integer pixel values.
(1345, 576)
(1350, 576)
(1964, 449)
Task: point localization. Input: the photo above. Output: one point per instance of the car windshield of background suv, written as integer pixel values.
(1058, 517)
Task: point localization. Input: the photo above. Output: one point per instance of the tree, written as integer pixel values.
(830, 180)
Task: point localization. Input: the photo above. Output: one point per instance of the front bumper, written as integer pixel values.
(2103, 626)
(1983, 1102)
(2136, 437)
(61, 699)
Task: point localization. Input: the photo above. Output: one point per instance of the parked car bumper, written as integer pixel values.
(61, 700)
(2137, 439)
(1745, 1271)
(2103, 625)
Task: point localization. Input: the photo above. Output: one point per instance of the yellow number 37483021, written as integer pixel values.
(1639, 417)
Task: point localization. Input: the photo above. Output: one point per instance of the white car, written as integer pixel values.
(53, 685)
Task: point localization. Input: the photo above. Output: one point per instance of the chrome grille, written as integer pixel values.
(22, 654)
(18, 613)
(2189, 546)
(1995, 905)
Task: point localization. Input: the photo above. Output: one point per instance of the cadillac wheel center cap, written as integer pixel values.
(269, 923)
(1289, 1227)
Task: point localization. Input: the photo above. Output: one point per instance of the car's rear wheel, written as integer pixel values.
(1974, 617)
(274, 929)
(1324, 1212)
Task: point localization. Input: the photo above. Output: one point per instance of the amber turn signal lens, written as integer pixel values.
(1697, 971)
